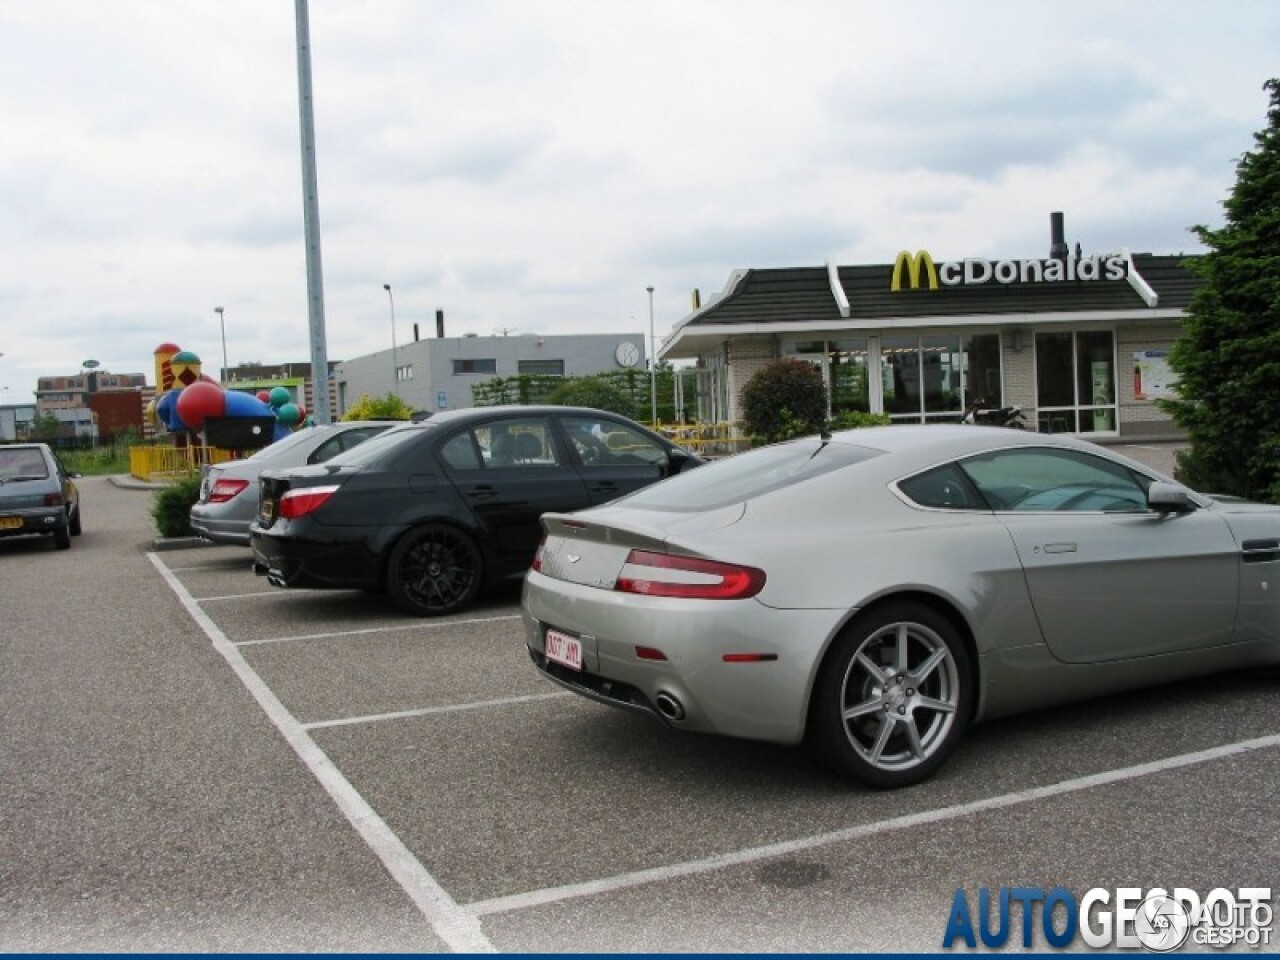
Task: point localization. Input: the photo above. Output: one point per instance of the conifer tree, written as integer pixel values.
(1228, 357)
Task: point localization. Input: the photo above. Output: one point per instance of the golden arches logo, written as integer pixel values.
(913, 263)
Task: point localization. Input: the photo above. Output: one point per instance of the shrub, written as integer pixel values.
(171, 507)
(595, 392)
(853, 419)
(785, 399)
(389, 407)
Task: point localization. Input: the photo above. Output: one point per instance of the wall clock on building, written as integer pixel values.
(627, 354)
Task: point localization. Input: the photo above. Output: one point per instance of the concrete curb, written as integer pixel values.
(127, 482)
(160, 544)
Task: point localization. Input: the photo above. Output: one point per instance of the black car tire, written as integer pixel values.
(62, 538)
(434, 569)
(73, 524)
(893, 696)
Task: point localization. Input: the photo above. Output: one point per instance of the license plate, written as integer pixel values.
(10, 523)
(563, 649)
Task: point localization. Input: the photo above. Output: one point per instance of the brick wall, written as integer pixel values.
(747, 356)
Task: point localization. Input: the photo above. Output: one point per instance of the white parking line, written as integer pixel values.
(236, 596)
(420, 625)
(427, 711)
(457, 927)
(538, 898)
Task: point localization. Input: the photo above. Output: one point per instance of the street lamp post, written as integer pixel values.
(395, 369)
(653, 367)
(222, 324)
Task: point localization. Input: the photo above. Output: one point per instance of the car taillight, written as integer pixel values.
(298, 503)
(667, 575)
(53, 499)
(225, 489)
(537, 557)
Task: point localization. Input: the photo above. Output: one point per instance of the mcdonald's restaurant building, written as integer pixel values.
(1079, 342)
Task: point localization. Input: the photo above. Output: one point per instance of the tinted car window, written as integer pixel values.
(1059, 480)
(943, 488)
(273, 450)
(460, 452)
(601, 442)
(517, 441)
(383, 445)
(750, 474)
(343, 440)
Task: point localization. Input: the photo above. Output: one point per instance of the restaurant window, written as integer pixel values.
(844, 370)
(924, 377)
(847, 376)
(1075, 382)
(982, 380)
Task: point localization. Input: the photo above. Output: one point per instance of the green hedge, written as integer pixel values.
(171, 507)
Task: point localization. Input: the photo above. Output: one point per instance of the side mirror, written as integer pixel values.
(677, 460)
(1167, 498)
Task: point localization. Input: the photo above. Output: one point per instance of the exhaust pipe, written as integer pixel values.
(669, 707)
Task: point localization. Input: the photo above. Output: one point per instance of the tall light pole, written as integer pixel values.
(653, 367)
(395, 370)
(222, 324)
(311, 221)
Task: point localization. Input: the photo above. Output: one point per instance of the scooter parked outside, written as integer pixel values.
(977, 412)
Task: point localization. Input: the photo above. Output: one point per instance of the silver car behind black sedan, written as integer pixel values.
(228, 502)
(873, 593)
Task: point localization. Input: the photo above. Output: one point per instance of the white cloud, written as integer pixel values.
(535, 165)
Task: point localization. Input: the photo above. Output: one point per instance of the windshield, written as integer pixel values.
(384, 444)
(748, 475)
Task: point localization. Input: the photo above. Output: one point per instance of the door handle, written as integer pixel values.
(1059, 548)
(605, 487)
(482, 493)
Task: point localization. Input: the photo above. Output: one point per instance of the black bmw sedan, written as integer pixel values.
(432, 511)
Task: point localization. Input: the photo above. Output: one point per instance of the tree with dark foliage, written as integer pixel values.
(783, 400)
(1228, 358)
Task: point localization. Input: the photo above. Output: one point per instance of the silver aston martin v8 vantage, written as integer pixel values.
(874, 592)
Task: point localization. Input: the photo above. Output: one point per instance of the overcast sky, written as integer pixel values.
(530, 167)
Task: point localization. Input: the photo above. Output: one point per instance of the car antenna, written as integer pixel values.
(824, 435)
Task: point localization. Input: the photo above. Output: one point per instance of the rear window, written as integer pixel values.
(22, 463)
(383, 445)
(284, 445)
(749, 475)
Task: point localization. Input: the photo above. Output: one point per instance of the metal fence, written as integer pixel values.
(706, 439)
(173, 463)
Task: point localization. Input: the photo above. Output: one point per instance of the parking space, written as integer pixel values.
(551, 823)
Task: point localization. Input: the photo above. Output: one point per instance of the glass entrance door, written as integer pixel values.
(1076, 382)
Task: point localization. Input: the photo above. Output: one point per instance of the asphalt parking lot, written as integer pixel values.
(200, 761)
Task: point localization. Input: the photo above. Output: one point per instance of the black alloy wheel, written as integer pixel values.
(434, 570)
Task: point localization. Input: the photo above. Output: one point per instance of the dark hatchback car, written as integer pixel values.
(37, 494)
(432, 511)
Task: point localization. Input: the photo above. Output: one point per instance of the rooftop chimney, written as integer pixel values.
(440, 324)
(1058, 244)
